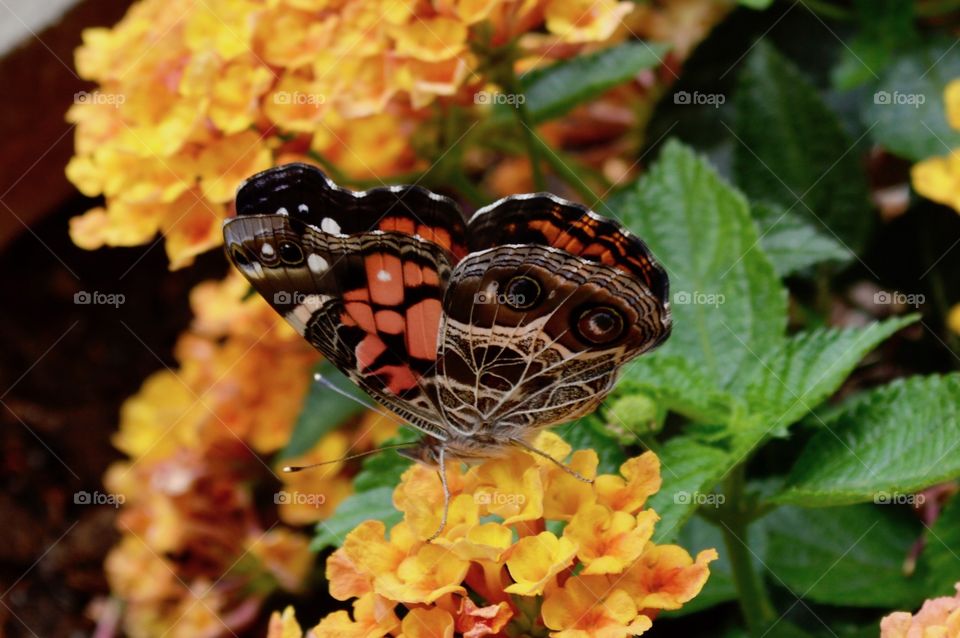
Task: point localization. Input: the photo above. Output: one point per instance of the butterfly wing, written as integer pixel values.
(535, 332)
(547, 220)
(360, 275)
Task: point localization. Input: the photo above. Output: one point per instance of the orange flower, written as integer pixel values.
(373, 617)
(937, 617)
(609, 541)
(585, 608)
(207, 93)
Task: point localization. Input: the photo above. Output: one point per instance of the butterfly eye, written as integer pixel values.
(600, 325)
(239, 256)
(521, 292)
(290, 253)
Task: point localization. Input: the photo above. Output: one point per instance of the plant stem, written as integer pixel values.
(755, 604)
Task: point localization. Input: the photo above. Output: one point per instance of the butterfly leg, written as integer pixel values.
(446, 492)
(566, 468)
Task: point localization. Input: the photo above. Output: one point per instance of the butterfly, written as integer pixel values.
(478, 333)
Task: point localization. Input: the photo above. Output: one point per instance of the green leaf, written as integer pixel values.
(810, 366)
(554, 90)
(894, 440)
(383, 469)
(758, 5)
(728, 305)
(938, 562)
(886, 27)
(792, 242)
(323, 410)
(589, 433)
(680, 385)
(792, 150)
(688, 468)
(849, 556)
(376, 504)
(903, 125)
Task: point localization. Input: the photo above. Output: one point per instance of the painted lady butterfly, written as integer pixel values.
(478, 333)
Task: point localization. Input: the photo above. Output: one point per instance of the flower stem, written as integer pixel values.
(755, 605)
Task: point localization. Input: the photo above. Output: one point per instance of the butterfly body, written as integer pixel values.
(479, 334)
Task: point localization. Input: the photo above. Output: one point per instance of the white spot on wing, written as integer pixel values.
(267, 250)
(330, 225)
(317, 264)
(303, 208)
(281, 211)
(383, 275)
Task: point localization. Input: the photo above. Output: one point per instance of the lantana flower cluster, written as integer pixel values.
(528, 549)
(194, 97)
(937, 617)
(196, 555)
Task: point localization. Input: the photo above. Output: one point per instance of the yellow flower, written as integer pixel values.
(471, 578)
(205, 93)
(666, 577)
(953, 319)
(285, 625)
(939, 617)
(609, 541)
(534, 562)
(641, 478)
(585, 608)
(510, 487)
(424, 576)
(373, 617)
(938, 178)
(585, 20)
(427, 623)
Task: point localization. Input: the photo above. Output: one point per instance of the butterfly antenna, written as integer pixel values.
(327, 383)
(566, 468)
(299, 468)
(446, 494)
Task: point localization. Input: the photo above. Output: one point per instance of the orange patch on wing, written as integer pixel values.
(399, 224)
(399, 378)
(367, 351)
(389, 321)
(362, 315)
(423, 324)
(358, 294)
(384, 279)
(412, 274)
